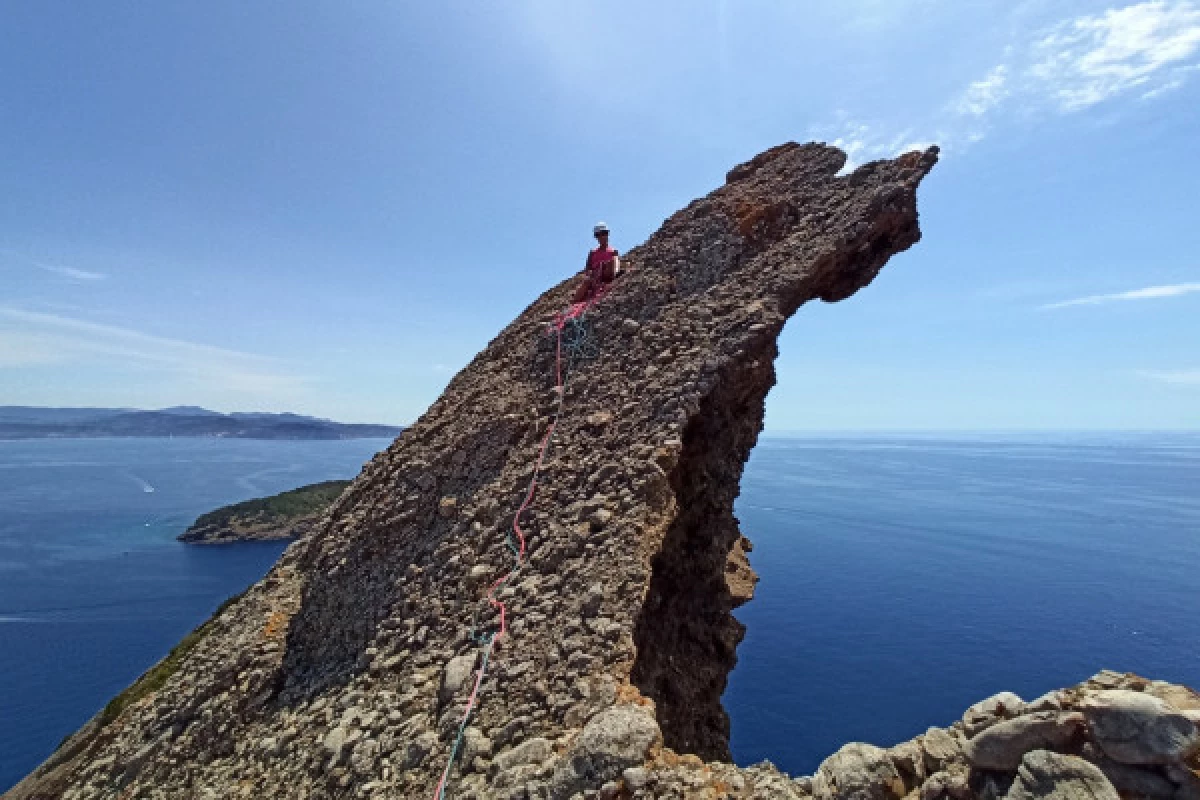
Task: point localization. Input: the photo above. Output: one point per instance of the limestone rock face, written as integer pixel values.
(858, 772)
(1003, 745)
(1046, 775)
(1137, 728)
(1004, 705)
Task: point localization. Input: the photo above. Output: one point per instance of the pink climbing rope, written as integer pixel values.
(561, 318)
(441, 787)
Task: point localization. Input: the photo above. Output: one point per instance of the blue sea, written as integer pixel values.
(903, 577)
(93, 586)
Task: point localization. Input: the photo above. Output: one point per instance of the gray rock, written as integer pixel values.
(1003, 745)
(475, 745)
(610, 743)
(910, 762)
(1138, 781)
(769, 784)
(1136, 728)
(985, 713)
(530, 751)
(1050, 701)
(593, 600)
(1187, 781)
(636, 777)
(364, 758)
(334, 742)
(599, 518)
(456, 675)
(858, 772)
(1044, 775)
(510, 731)
(947, 784)
(1107, 679)
(419, 749)
(941, 748)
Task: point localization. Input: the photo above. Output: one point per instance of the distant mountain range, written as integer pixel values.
(30, 422)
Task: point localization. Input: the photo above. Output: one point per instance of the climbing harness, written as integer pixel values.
(574, 340)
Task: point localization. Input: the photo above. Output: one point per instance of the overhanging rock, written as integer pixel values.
(344, 671)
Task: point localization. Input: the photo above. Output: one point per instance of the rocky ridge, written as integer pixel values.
(344, 672)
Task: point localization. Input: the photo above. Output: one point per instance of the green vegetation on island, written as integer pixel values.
(282, 516)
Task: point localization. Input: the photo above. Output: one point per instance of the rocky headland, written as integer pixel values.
(345, 672)
(287, 515)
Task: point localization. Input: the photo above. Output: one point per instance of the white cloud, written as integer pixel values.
(29, 337)
(71, 273)
(1180, 76)
(1150, 48)
(1189, 377)
(985, 94)
(1092, 58)
(1144, 50)
(862, 142)
(1150, 292)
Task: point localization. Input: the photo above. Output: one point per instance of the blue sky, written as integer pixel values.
(330, 207)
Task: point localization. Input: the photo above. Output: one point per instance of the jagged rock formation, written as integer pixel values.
(343, 672)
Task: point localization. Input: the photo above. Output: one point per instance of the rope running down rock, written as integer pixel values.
(579, 345)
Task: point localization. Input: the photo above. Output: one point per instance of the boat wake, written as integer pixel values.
(146, 487)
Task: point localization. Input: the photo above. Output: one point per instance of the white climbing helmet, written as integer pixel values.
(599, 228)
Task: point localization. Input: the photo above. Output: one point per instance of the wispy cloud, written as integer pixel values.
(1140, 51)
(1189, 377)
(984, 94)
(1149, 293)
(1143, 50)
(1143, 47)
(863, 142)
(30, 337)
(71, 273)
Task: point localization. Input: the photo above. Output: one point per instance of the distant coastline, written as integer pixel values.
(32, 422)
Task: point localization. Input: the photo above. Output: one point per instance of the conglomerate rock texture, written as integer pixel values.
(344, 672)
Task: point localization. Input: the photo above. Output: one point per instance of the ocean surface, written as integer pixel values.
(906, 578)
(94, 589)
(903, 578)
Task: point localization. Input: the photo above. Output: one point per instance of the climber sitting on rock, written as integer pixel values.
(600, 269)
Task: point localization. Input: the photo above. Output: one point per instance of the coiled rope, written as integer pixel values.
(579, 344)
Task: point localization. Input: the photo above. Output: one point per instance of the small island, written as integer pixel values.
(287, 515)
